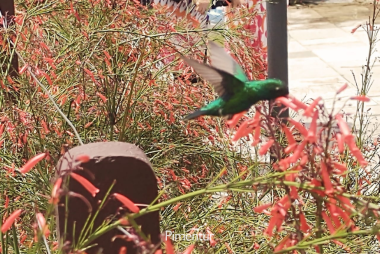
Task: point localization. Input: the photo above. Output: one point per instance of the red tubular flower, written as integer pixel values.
(290, 177)
(244, 129)
(293, 192)
(44, 125)
(269, 230)
(344, 247)
(9, 221)
(256, 118)
(107, 54)
(256, 137)
(316, 183)
(341, 168)
(344, 215)
(175, 208)
(334, 215)
(360, 158)
(304, 159)
(326, 179)
(282, 244)
(343, 126)
(123, 250)
(286, 102)
(298, 152)
(285, 202)
(211, 235)
(299, 103)
(329, 224)
(82, 158)
(309, 110)
(169, 246)
(264, 148)
(54, 194)
(261, 208)
(235, 119)
(342, 88)
(101, 96)
(189, 249)
(340, 141)
(362, 98)
(127, 202)
(278, 215)
(42, 222)
(299, 127)
(311, 135)
(304, 226)
(48, 79)
(350, 141)
(85, 183)
(346, 202)
(288, 134)
(290, 148)
(283, 164)
(31, 163)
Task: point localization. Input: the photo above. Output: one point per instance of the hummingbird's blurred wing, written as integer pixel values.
(221, 60)
(220, 79)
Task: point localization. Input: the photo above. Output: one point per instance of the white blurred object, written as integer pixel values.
(216, 17)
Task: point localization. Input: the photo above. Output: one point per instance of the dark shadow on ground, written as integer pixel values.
(306, 2)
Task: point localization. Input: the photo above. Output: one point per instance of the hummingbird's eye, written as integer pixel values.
(277, 88)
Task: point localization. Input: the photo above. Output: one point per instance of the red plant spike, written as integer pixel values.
(41, 220)
(9, 221)
(286, 102)
(55, 192)
(32, 162)
(326, 179)
(235, 119)
(85, 183)
(169, 246)
(264, 148)
(342, 88)
(343, 126)
(304, 226)
(309, 110)
(261, 208)
(362, 98)
(189, 249)
(299, 127)
(127, 202)
(289, 135)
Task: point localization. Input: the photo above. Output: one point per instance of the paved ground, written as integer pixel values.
(323, 52)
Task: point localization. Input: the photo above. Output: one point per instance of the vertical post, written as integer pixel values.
(277, 43)
(277, 47)
(7, 8)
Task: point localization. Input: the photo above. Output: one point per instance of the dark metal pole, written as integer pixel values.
(7, 8)
(277, 43)
(277, 46)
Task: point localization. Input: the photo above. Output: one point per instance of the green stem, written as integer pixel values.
(126, 114)
(321, 240)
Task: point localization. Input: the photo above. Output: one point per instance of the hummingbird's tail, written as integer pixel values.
(195, 114)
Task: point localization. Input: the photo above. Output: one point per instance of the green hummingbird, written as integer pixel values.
(236, 92)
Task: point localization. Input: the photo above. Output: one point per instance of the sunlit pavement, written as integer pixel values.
(323, 52)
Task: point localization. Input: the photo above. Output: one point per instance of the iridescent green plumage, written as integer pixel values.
(236, 92)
